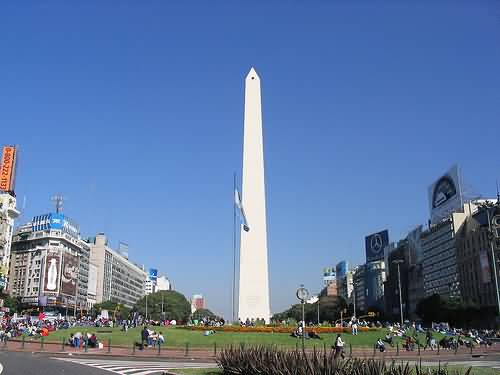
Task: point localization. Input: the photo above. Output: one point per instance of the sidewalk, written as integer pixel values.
(208, 354)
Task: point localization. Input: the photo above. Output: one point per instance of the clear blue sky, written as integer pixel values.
(134, 111)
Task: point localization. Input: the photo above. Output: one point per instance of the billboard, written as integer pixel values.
(52, 271)
(8, 169)
(55, 221)
(153, 274)
(445, 195)
(69, 274)
(485, 267)
(375, 244)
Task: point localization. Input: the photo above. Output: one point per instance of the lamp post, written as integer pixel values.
(490, 238)
(303, 295)
(146, 314)
(318, 310)
(354, 296)
(161, 304)
(398, 262)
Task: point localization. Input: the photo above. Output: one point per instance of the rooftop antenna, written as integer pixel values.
(498, 195)
(59, 199)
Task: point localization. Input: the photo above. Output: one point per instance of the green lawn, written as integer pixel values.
(178, 337)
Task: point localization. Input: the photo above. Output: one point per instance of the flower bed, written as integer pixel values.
(280, 329)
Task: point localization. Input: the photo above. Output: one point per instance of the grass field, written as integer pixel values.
(178, 337)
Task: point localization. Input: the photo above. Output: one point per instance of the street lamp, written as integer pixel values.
(303, 295)
(398, 262)
(318, 310)
(353, 296)
(162, 304)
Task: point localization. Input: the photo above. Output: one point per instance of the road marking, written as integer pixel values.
(134, 367)
(1, 368)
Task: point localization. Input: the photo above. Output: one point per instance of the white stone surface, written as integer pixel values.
(253, 284)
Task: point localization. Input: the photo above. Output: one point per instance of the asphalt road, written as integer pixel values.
(33, 364)
(14, 363)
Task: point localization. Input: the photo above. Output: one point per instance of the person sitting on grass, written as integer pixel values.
(92, 342)
(409, 345)
(380, 345)
(314, 335)
(389, 339)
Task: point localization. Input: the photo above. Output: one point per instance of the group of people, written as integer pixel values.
(79, 340)
(208, 322)
(251, 322)
(150, 338)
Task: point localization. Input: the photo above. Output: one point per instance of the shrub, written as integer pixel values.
(271, 361)
(278, 329)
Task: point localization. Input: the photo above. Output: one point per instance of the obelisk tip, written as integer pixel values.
(252, 74)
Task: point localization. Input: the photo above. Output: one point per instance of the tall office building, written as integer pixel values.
(117, 278)
(359, 288)
(375, 276)
(475, 248)
(8, 213)
(439, 248)
(50, 263)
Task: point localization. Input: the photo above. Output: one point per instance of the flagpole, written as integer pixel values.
(234, 251)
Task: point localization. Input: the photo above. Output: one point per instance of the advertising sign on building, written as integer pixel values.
(485, 267)
(69, 274)
(8, 169)
(445, 195)
(52, 271)
(55, 221)
(375, 244)
(153, 274)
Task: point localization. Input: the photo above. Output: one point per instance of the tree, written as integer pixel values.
(13, 303)
(175, 306)
(203, 313)
(329, 310)
(116, 310)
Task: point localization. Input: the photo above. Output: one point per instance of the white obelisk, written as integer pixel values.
(254, 284)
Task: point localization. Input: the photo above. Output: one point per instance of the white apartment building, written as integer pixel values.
(117, 278)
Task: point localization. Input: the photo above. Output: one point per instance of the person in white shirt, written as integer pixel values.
(161, 339)
(339, 347)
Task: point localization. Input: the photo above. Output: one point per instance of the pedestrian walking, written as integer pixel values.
(339, 347)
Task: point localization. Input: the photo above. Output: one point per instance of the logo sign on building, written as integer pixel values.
(485, 267)
(52, 272)
(8, 169)
(153, 274)
(445, 195)
(69, 274)
(55, 221)
(375, 244)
